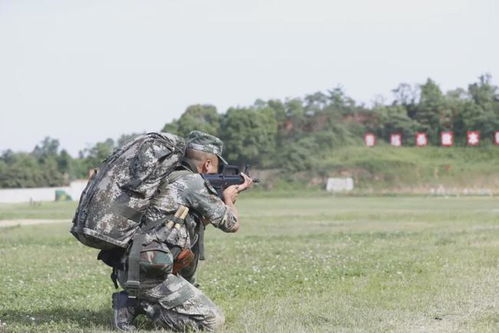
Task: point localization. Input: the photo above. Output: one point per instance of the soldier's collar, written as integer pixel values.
(189, 166)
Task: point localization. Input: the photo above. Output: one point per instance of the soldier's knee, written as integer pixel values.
(214, 321)
(219, 320)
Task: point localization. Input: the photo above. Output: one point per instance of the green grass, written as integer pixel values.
(405, 169)
(392, 264)
(38, 210)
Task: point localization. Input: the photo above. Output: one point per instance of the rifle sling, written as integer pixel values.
(201, 241)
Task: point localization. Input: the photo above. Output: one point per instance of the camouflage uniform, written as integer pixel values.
(171, 300)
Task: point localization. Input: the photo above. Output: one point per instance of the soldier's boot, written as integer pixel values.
(124, 312)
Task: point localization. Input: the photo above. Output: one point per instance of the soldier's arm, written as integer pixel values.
(230, 197)
(221, 214)
(202, 198)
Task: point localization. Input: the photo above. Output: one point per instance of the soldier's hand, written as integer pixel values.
(230, 194)
(248, 182)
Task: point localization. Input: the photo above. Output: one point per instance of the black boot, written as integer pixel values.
(124, 312)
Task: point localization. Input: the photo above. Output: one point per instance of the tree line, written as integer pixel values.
(290, 134)
(49, 165)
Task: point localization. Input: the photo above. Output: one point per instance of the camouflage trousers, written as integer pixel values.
(177, 305)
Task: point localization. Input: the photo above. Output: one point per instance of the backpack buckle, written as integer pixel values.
(132, 287)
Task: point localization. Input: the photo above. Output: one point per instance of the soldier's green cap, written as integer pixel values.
(202, 141)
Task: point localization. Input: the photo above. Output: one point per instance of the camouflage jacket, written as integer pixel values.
(191, 190)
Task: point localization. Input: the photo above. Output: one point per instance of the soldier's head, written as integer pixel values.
(204, 151)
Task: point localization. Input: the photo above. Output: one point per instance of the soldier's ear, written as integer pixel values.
(205, 167)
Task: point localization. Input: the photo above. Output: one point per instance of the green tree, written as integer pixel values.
(483, 113)
(53, 167)
(93, 157)
(25, 170)
(432, 112)
(316, 101)
(299, 156)
(249, 135)
(483, 92)
(48, 148)
(20, 170)
(394, 119)
(196, 117)
(461, 106)
(295, 118)
(339, 99)
(278, 108)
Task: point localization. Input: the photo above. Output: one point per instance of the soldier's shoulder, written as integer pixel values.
(189, 179)
(196, 183)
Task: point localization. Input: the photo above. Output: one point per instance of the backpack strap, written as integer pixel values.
(133, 277)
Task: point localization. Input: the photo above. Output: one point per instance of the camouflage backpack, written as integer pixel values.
(111, 206)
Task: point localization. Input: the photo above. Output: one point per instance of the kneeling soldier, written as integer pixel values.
(169, 252)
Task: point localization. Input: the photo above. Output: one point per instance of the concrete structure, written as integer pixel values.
(16, 195)
(339, 184)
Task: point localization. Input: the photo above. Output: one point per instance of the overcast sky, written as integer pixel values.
(82, 70)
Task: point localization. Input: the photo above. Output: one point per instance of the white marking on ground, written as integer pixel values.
(13, 223)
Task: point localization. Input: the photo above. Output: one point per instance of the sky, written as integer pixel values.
(82, 71)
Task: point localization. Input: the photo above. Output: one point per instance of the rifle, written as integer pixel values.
(229, 175)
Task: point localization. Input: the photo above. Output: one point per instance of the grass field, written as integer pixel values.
(385, 168)
(317, 264)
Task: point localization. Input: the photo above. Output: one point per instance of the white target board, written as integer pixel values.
(396, 139)
(421, 139)
(473, 138)
(447, 138)
(370, 139)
